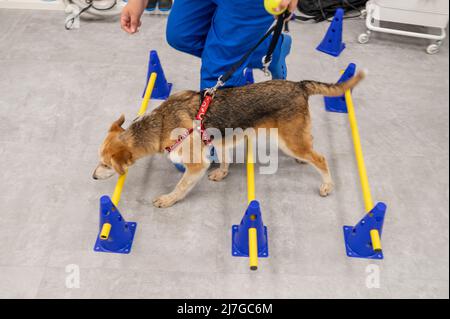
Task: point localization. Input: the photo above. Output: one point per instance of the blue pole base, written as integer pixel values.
(125, 250)
(358, 242)
(338, 104)
(263, 253)
(162, 95)
(162, 88)
(121, 235)
(180, 167)
(335, 53)
(348, 231)
(332, 42)
(335, 104)
(239, 233)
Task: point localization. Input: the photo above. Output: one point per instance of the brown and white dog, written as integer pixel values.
(272, 104)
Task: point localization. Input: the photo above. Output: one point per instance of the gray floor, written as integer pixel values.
(60, 90)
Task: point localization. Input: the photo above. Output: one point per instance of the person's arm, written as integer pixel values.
(130, 19)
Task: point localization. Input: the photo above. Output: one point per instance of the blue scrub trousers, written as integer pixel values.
(220, 32)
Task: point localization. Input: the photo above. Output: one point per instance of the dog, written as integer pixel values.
(272, 104)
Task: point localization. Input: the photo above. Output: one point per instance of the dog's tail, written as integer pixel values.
(319, 88)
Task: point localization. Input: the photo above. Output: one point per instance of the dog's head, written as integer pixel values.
(115, 156)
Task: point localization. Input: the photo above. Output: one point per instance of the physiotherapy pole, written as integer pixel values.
(249, 238)
(144, 106)
(365, 186)
(252, 232)
(364, 239)
(107, 226)
(116, 235)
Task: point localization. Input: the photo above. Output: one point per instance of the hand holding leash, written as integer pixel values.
(277, 7)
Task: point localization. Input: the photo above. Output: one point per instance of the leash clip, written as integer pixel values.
(265, 66)
(212, 91)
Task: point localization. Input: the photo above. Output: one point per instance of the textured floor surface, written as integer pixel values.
(60, 90)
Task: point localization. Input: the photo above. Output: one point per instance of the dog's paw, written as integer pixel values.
(164, 201)
(326, 189)
(217, 175)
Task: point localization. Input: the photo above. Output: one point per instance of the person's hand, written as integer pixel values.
(130, 18)
(291, 5)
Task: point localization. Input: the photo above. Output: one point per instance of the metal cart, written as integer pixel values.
(431, 14)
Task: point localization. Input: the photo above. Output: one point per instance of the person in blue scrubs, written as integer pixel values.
(219, 32)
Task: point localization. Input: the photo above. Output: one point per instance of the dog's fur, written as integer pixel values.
(272, 104)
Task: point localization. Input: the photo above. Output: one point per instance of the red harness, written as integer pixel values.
(199, 125)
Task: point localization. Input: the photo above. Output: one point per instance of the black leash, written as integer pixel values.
(282, 22)
(277, 29)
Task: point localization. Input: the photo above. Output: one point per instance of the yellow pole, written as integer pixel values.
(250, 172)
(368, 202)
(144, 105)
(118, 189)
(253, 248)
(148, 94)
(376, 240)
(252, 232)
(106, 229)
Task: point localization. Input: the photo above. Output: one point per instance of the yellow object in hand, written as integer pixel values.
(272, 5)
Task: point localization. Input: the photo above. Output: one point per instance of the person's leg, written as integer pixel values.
(151, 5)
(188, 25)
(278, 67)
(165, 5)
(237, 27)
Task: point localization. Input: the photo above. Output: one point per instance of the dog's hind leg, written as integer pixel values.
(296, 141)
(193, 174)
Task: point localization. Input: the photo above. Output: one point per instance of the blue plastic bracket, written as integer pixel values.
(332, 43)
(358, 243)
(120, 239)
(338, 104)
(239, 233)
(162, 88)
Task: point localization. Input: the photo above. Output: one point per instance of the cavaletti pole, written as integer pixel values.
(106, 228)
(116, 235)
(144, 105)
(365, 186)
(249, 238)
(252, 232)
(364, 239)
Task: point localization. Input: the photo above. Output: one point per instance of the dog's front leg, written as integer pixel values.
(193, 174)
(220, 173)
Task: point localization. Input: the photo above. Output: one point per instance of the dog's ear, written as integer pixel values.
(117, 125)
(121, 160)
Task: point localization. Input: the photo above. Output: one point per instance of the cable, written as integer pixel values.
(90, 5)
(71, 21)
(326, 13)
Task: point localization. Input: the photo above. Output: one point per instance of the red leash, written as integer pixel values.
(207, 100)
